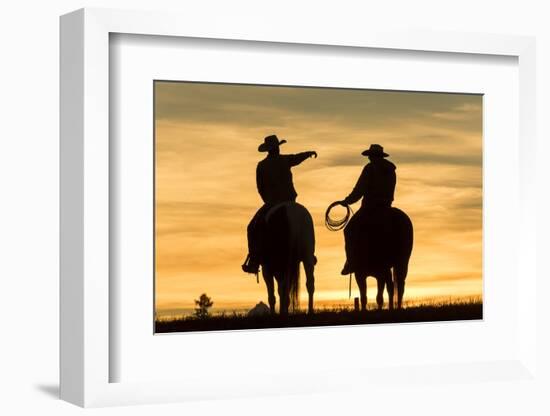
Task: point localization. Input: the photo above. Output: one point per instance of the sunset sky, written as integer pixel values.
(207, 137)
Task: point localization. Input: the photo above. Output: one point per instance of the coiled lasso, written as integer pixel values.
(337, 224)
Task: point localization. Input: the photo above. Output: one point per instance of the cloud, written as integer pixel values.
(287, 106)
(423, 157)
(461, 112)
(409, 157)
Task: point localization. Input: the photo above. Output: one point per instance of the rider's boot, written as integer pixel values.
(347, 269)
(251, 265)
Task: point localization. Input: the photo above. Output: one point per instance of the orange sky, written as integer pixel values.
(206, 154)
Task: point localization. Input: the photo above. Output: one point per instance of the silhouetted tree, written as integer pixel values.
(203, 304)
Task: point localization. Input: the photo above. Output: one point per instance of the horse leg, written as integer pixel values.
(270, 284)
(284, 296)
(361, 280)
(400, 274)
(381, 282)
(310, 284)
(387, 278)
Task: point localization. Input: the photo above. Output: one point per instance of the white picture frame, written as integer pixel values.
(85, 221)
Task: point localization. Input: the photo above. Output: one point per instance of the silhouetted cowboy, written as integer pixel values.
(274, 182)
(376, 186)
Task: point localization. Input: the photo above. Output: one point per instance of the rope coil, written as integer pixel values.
(337, 224)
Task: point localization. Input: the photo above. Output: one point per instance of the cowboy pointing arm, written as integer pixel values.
(295, 160)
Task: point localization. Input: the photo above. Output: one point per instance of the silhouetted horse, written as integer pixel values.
(289, 241)
(384, 243)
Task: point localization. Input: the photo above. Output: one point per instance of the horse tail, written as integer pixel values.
(291, 241)
(293, 276)
(302, 249)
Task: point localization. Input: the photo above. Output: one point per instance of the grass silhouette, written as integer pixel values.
(458, 311)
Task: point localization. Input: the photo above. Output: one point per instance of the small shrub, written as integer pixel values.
(203, 304)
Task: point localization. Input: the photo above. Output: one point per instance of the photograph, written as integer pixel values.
(292, 206)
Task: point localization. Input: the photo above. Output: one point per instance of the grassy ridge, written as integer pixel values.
(327, 317)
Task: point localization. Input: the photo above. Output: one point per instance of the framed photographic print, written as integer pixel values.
(271, 189)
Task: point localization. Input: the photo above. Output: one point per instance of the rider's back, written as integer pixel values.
(380, 182)
(376, 184)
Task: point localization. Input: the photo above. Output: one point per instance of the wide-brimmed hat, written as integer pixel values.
(375, 150)
(270, 142)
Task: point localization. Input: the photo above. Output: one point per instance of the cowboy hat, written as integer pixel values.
(375, 150)
(269, 143)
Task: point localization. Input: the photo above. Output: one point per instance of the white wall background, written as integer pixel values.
(29, 182)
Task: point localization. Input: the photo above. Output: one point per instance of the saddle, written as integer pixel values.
(376, 219)
(275, 208)
(373, 236)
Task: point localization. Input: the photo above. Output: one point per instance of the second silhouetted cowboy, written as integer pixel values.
(376, 186)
